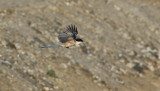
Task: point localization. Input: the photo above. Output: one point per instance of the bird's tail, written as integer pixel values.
(51, 46)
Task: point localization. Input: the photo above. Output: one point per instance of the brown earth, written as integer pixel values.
(121, 51)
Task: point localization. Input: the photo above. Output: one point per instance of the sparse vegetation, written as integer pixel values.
(51, 73)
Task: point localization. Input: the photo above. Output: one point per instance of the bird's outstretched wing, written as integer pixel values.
(70, 33)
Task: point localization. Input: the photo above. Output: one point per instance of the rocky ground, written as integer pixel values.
(121, 51)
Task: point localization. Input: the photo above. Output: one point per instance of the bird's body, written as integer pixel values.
(69, 43)
(67, 38)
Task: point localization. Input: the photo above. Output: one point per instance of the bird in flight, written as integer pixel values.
(68, 38)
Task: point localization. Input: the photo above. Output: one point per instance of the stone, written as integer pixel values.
(130, 64)
(46, 88)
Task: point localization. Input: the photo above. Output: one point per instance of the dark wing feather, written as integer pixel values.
(68, 34)
(72, 29)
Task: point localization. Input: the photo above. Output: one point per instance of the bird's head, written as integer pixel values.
(79, 42)
(75, 35)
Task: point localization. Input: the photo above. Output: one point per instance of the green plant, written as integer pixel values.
(51, 73)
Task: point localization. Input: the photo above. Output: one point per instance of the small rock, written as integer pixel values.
(150, 66)
(4, 43)
(6, 63)
(132, 53)
(117, 7)
(56, 87)
(96, 78)
(140, 45)
(113, 68)
(63, 65)
(126, 36)
(152, 28)
(123, 70)
(99, 84)
(67, 3)
(30, 71)
(120, 81)
(18, 46)
(122, 60)
(46, 88)
(157, 32)
(130, 65)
